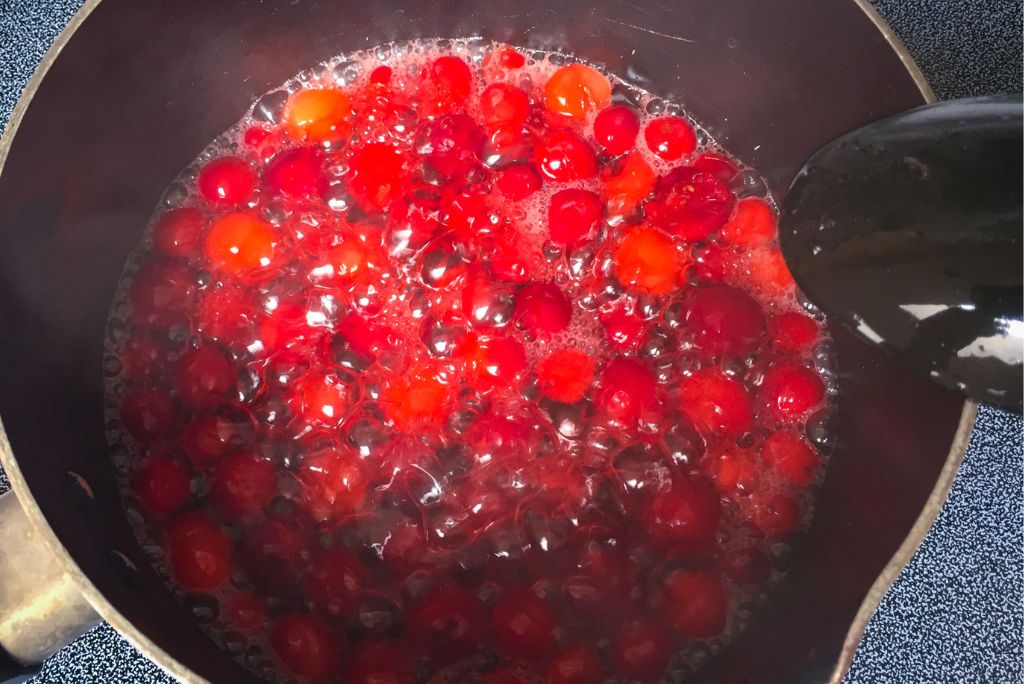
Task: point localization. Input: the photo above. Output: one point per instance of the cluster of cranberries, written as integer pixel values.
(472, 372)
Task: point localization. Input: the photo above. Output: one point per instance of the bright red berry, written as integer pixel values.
(501, 103)
(240, 243)
(162, 484)
(565, 375)
(790, 456)
(543, 307)
(627, 391)
(616, 128)
(226, 181)
(563, 156)
(752, 223)
(574, 215)
(791, 391)
(456, 145)
(670, 137)
(297, 173)
(690, 204)
(518, 182)
(725, 320)
(793, 332)
(199, 552)
(492, 361)
(242, 484)
(715, 403)
(717, 165)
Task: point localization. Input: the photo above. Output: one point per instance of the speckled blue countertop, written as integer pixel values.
(956, 614)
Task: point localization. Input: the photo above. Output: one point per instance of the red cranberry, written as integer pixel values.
(543, 307)
(322, 399)
(383, 662)
(574, 215)
(501, 103)
(162, 485)
(204, 378)
(227, 181)
(209, 436)
(227, 315)
(627, 391)
(297, 173)
(616, 128)
(623, 329)
(378, 175)
(725, 320)
(715, 403)
(198, 551)
(690, 204)
(791, 391)
(243, 484)
(698, 604)
(381, 75)
(148, 415)
(714, 263)
(448, 84)
(793, 332)
(640, 651)
(334, 581)
(565, 375)
(791, 457)
(456, 144)
(563, 156)
(162, 293)
(599, 583)
(753, 223)
(777, 516)
(179, 233)
(468, 212)
(485, 303)
(716, 164)
(334, 482)
(733, 470)
(523, 625)
(627, 183)
(240, 244)
(686, 513)
(272, 554)
(255, 136)
(417, 397)
(306, 645)
(518, 182)
(245, 611)
(492, 361)
(508, 58)
(496, 439)
(449, 622)
(577, 665)
(647, 261)
(670, 137)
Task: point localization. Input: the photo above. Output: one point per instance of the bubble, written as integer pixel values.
(270, 107)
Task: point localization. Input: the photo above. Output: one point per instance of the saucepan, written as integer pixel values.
(132, 91)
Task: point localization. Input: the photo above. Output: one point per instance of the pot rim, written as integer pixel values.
(172, 666)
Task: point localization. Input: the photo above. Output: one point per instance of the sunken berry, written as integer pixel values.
(242, 484)
(687, 513)
(627, 391)
(204, 378)
(542, 307)
(199, 552)
(724, 320)
(524, 625)
(333, 482)
(334, 581)
(640, 651)
(577, 665)
(306, 645)
(148, 415)
(793, 332)
(162, 484)
(776, 515)
(179, 233)
(791, 457)
(698, 604)
(456, 145)
(245, 611)
(449, 623)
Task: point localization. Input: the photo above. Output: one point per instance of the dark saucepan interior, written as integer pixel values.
(141, 87)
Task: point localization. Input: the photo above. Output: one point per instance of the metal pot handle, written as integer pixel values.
(41, 608)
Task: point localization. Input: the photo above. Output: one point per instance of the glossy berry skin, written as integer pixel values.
(542, 308)
(162, 485)
(492, 361)
(518, 182)
(449, 81)
(243, 484)
(627, 391)
(733, 470)
(752, 223)
(577, 665)
(501, 103)
(240, 243)
(456, 145)
(204, 378)
(565, 375)
(724, 319)
(698, 604)
(378, 172)
(791, 391)
(715, 403)
(198, 551)
(334, 482)
(317, 115)
(686, 513)
(717, 165)
(791, 457)
(449, 622)
(179, 233)
(226, 181)
(574, 215)
(640, 651)
(148, 415)
(209, 436)
(670, 137)
(334, 580)
(245, 611)
(297, 173)
(647, 261)
(306, 645)
(575, 90)
(523, 625)
(628, 184)
(563, 156)
(616, 128)
(415, 399)
(690, 204)
(793, 332)
(776, 515)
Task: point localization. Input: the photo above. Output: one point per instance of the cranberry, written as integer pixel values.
(496, 439)
(161, 293)
(204, 378)
(518, 182)
(381, 75)
(492, 361)
(198, 551)
(322, 399)
(793, 332)
(486, 304)
(715, 403)
(449, 622)
(226, 315)
(226, 181)
(255, 136)
(456, 145)
(209, 436)
(599, 583)
(272, 553)
(687, 513)
(777, 516)
(468, 212)
(334, 581)
(565, 375)
(714, 263)
(179, 233)
(523, 625)
(733, 470)
(306, 645)
(148, 415)
(575, 90)
(317, 115)
(791, 457)
(766, 270)
(690, 204)
(240, 243)
(378, 174)
(616, 128)
(623, 328)
(577, 665)
(699, 604)
(509, 58)
(627, 391)
(791, 391)
(297, 173)
(334, 482)
(449, 82)
(501, 103)
(143, 357)
(243, 484)
(724, 319)
(670, 137)
(245, 611)
(753, 223)
(383, 662)
(543, 307)
(640, 651)
(352, 260)
(416, 398)
(162, 485)
(627, 184)
(647, 261)
(563, 156)
(717, 165)
(574, 215)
